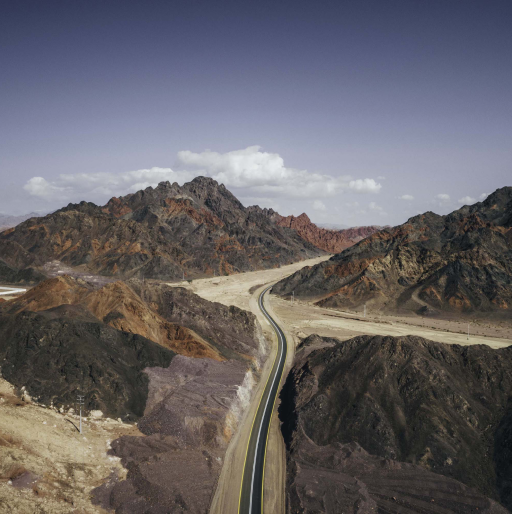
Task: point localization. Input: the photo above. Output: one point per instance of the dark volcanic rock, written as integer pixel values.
(192, 411)
(344, 478)
(460, 262)
(198, 229)
(65, 351)
(443, 408)
(231, 330)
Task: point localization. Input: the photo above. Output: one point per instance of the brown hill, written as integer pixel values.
(163, 318)
(164, 232)
(119, 307)
(66, 336)
(397, 424)
(459, 262)
(331, 241)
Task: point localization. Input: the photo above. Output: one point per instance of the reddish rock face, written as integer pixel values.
(331, 241)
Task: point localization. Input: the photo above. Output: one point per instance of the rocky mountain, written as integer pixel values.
(460, 262)
(165, 232)
(66, 335)
(329, 240)
(398, 425)
(59, 353)
(181, 366)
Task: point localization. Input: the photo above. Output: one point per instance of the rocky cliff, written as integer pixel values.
(460, 262)
(397, 425)
(331, 241)
(165, 232)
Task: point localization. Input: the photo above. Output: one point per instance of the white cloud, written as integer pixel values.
(367, 185)
(265, 173)
(100, 185)
(443, 197)
(38, 186)
(253, 172)
(374, 207)
(467, 200)
(380, 177)
(406, 197)
(318, 205)
(483, 196)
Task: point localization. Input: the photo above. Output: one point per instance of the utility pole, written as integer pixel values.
(293, 297)
(80, 400)
(468, 331)
(364, 314)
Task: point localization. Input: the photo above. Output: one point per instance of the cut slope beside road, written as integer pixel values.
(251, 492)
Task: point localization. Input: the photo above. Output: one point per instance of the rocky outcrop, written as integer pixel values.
(460, 262)
(175, 318)
(196, 229)
(393, 423)
(66, 335)
(59, 353)
(193, 409)
(230, 330)
(331, 241)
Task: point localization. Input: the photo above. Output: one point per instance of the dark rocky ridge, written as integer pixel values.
(65, 351)
(231, 330)
(435, 413)
(189, 421)
(67, 336)
(199, 228)
(461, 262)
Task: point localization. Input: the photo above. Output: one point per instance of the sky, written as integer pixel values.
(356, 112)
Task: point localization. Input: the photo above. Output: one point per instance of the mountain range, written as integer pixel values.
(461, 262)
(8, 221)
(167, 232)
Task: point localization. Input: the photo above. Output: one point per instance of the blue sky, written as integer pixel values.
(356, 112)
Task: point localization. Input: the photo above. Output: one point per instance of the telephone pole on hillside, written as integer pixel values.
(80, 400)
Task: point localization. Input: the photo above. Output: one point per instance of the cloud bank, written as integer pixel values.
(254, 172)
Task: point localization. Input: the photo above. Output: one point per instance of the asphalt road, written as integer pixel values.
(251, 491)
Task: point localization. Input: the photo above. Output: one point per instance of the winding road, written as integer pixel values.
(251, 490)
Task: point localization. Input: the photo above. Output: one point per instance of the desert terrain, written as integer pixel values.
(46, 466)
(299, 320)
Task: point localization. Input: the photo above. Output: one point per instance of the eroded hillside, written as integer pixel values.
(397, 422)
(196, 229)
(461, 262)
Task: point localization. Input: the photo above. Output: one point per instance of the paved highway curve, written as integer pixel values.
(251, 490)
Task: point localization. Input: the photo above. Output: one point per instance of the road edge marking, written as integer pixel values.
(257, 409)
(272, 413)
